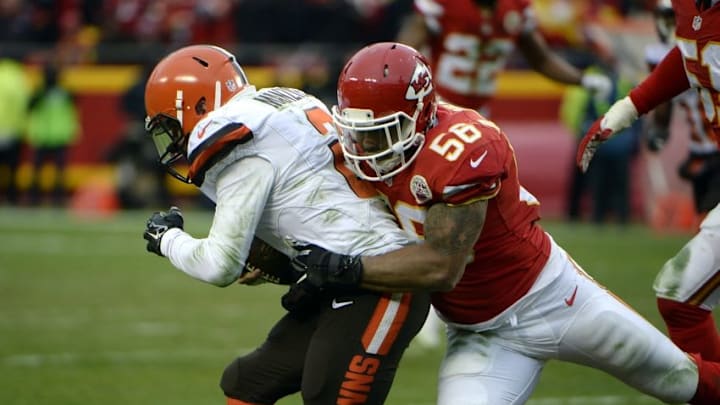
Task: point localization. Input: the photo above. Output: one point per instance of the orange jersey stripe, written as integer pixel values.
(385, 324)
(362, 188)
(205, 156)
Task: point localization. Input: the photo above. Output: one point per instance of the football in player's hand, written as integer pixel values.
(273, 265)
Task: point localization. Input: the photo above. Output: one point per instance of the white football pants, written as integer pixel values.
(693, 274)
(566, 316)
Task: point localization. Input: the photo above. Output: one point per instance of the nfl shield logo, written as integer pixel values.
(697, 23)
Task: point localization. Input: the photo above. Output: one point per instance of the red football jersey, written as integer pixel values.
(469, 46)
(466, 158)
(698, 38)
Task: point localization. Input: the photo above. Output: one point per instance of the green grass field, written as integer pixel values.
(87, 316)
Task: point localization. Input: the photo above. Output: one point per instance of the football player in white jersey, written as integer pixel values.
(269, 160)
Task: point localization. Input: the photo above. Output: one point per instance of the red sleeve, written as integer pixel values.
(479, 173)
(666, 81)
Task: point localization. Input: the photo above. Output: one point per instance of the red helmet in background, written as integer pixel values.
(182, 89)
(386, 103)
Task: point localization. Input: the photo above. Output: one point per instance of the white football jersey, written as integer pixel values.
(279, 182)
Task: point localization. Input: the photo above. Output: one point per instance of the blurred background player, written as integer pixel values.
(265, 158)
(468, 43)
(687, 285)
(702, 165)
(514, 299)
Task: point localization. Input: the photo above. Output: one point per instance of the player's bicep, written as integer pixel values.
(454, 229)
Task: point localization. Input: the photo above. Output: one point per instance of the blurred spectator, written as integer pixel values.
(53, 125)
(140, 179)
(608, 180)
(14, 97)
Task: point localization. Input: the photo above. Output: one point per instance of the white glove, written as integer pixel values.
(599, 84)
(620, 116)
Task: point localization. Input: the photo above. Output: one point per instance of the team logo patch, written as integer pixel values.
(697, 23)
(420, 84)
(420, 189)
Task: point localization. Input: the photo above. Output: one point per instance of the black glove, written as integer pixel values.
(325, 269)
(303, 298)
(319, 270)
(159, 223)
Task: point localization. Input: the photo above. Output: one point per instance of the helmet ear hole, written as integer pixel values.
(201, 106)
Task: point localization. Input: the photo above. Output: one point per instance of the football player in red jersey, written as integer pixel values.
(512, 298)
(470, 41)
(687, 285)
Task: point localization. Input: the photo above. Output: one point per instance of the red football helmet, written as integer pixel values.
(386, 103)
(182, 89)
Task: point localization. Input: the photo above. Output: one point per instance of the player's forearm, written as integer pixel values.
(219, 259)
(201, 259)
(544, 61)
(451, 232)
(666, 81)
(416, 267)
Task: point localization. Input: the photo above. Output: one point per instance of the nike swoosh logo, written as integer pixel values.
(337, 305)
(570, 301)
(474, 163)
(201, 133)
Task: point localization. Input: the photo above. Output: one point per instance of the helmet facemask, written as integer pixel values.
(170, 142)
(387, 144)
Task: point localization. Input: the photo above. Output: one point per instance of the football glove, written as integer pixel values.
(158, 224)
(319, 270)
(600, 85)
(620, 116)
(303, 298)
(326, 269)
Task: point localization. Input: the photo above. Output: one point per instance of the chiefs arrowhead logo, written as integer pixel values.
(420, 84)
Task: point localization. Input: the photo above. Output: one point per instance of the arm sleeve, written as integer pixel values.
(666, 81)
(242, 191)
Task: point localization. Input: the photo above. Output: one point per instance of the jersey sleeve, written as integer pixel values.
(478, 172)
(242, 191)
(666, 81)
(210, 141)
